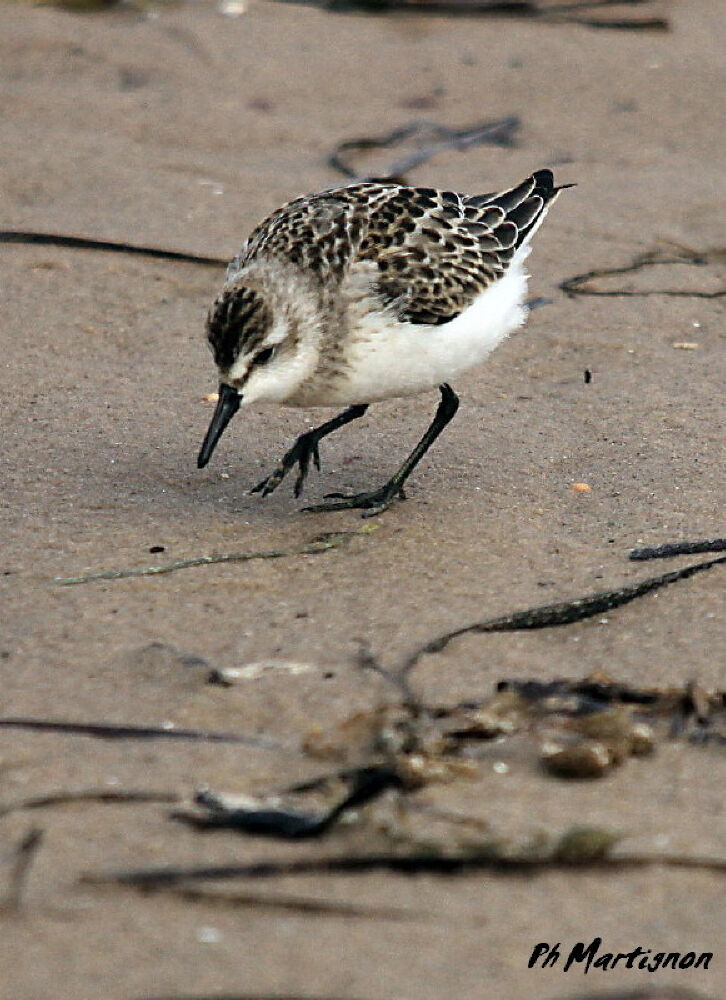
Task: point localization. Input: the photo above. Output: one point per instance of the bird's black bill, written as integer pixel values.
(227, 406)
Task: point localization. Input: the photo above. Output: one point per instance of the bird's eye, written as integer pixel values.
(264, 356)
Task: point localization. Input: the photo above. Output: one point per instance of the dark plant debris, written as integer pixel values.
(429, 138)
(107, 246)
(119, 731)
(550, 11)
(20, 862)
(111, 795)
(678, 549)
(582, 284)
(272, 819)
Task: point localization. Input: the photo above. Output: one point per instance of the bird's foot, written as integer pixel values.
(371, 504)
(304, 449)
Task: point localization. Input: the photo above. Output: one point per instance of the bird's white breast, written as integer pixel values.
(387, 358)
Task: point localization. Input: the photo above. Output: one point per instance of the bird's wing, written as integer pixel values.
(436, 251)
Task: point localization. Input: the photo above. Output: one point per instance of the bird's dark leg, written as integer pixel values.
(378, 500)
(305, 448)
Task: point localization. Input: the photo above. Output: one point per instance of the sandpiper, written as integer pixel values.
(367, 292)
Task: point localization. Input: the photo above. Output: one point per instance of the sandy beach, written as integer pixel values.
(181, 127)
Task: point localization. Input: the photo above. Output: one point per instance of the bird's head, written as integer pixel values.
(263, 332)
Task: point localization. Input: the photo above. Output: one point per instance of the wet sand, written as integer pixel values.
(183, 130)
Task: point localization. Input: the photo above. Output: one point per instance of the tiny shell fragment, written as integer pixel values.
(211, 397)
(581, 488)
(227, 676)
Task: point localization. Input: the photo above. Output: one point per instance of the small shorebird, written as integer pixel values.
(367, 292)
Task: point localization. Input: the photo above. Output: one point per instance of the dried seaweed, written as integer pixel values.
(99, 6)
(106, 246)
(23, 856)
(112, 795)
(323, 543)
(118, 731)
(80, 6)
(562, 613)
(678, 549)
(271, 819)
(581, 284)
(430, 139)
(550, 11)
(588, 695)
